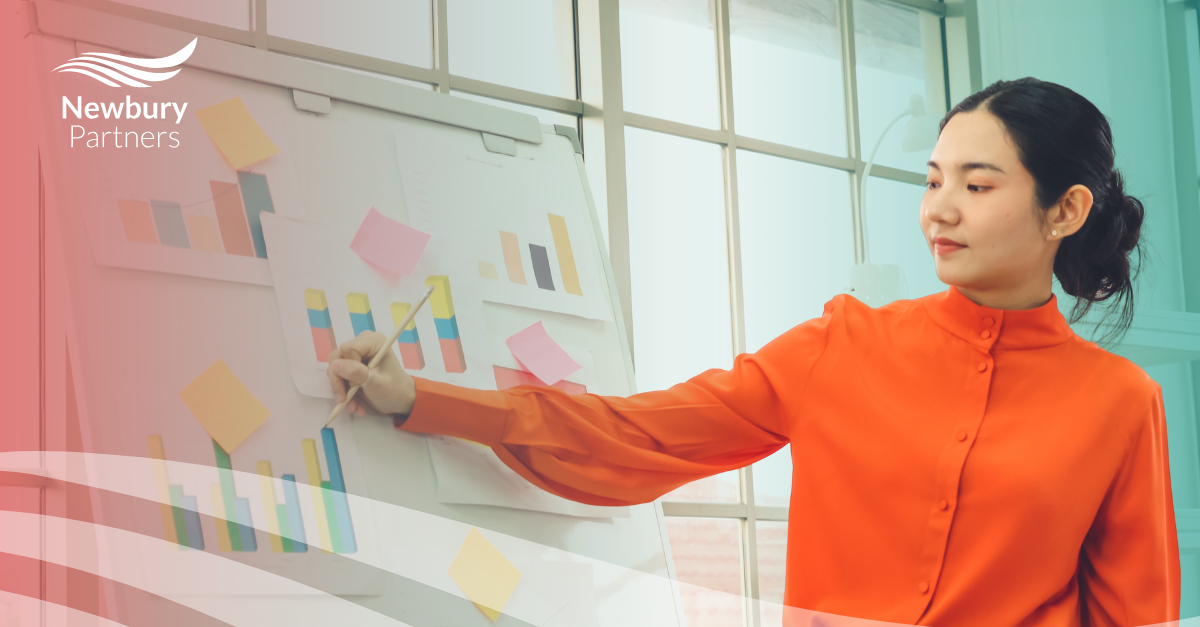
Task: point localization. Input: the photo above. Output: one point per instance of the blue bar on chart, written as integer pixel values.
(337, 485)
(295, 520)
(168, 221)
(360, 313)
(256, 197)
(541, 267)
(191, 517)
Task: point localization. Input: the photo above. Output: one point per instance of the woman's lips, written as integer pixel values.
(943, 246)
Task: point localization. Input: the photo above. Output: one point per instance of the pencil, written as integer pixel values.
(387, 346)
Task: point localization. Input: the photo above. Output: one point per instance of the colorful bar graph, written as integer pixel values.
(139, 226)
(256, 196)
(203, 233)
(512, 257)
(566, 256)
(511, 378)
(320, 323)
(409, 341)
(240, 526)
(231, 218)
(168, 222)
(541, 267)
(330, 503)
(442, 304)
(360, 313)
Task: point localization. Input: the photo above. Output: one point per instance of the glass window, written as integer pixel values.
(544, 116)
(708, 555)
(773, 479)
(677, 250)
(393, 30)
(898, 52)
(722, 488)
(527, 44)
(797, 242)
(669, 60)
(787, 73)
(772, 561)
(231, 13)
(894, 234)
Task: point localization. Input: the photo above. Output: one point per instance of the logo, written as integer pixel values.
(117, 67)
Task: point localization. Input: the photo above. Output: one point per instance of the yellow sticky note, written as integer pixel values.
(224, 406)
(484, 574)
(239, 138)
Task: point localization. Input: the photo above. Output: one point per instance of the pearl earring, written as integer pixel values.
(1055, 233)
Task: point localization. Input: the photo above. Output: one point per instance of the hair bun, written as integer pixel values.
(1126, 213)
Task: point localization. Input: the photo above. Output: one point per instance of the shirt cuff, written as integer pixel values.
(445, 409)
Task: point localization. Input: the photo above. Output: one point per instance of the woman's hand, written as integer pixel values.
(391, 390)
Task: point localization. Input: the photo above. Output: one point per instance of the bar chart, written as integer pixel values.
(234, 228)
(441, 302)
(282, 510)
(539, 260)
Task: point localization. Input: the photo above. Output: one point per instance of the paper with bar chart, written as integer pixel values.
(327, 294)
(281, 501)
(191, 214)
(527, 223)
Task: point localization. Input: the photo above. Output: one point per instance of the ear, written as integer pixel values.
(1072, 210)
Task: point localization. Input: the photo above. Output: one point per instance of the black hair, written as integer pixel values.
(1064, 140)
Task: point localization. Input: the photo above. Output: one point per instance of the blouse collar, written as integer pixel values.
(989, 328)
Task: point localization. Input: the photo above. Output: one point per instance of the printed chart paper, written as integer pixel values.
(191, 214)
(528, 223)
(327, 295)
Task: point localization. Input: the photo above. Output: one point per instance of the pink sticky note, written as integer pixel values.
(541, 355)
(393, 246)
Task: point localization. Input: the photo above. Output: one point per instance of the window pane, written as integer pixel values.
(669, 60)
(899, 54)
(773, 479)
(527, 44)
(787, 72)
(772, 560)
(708, 555)
(678, 258)
(231, 13)
(722, 488)
(894, 234)
(797, 242)
(393, 30)
(544, 116)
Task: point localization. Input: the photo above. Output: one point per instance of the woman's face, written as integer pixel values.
(979, 210)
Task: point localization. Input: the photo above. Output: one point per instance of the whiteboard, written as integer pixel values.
(147, 321)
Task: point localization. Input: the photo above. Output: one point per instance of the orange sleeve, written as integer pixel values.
(1129, 571)
(606, 450)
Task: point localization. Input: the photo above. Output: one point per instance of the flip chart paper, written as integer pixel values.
(239, 138)
(484, 574)
(540, 354)
(389, 244)
(225, 407)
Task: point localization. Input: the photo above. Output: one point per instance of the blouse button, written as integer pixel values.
(985, 335)
(942, 505)
(982, 367)
(961, 435)
(987, 322)
(923, 587)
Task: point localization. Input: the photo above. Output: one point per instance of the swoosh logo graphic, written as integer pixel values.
(116, 68)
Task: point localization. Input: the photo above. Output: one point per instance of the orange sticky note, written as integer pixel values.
(225, 407)
(239, 138)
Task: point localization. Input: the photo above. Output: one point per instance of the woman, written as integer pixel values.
(959, 459)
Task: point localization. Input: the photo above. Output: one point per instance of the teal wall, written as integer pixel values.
(1115, 53)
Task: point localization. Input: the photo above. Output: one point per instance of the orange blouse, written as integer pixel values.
(953, 464)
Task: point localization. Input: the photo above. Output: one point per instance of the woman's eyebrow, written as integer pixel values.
(971, 165)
